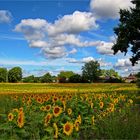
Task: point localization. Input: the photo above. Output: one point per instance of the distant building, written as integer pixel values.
(130, 78)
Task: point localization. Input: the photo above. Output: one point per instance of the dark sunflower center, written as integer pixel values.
(56, 110)
(67, 127)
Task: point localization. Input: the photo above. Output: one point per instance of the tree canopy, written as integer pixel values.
(15, 74)
(91, 71)
(128, 32)
(3, 75)
(66, 74)
(110, 73)
(46, 78)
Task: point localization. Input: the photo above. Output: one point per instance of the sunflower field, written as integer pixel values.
(70, 111)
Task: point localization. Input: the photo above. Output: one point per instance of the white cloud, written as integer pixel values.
(105, 48)
(53, 38)
(123, 63)
(83, 60)
(5, 16)
(74, 23)
(22, 62)
(73, 51)
(33, 29)
(125, 66)
(88, 59)
(53, 53)
(109, 8)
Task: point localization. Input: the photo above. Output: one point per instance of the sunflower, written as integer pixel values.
(101, 105)
(15, 110)
(57, 111)
(91, 105)
(39, 100)
(43, 108)
(47, 119)
(130, 101)
(21, 109)
(56, 130)
(23, 100)
(64, 105)
(68, 128)
(93, 120)
(20, 120)
(48, 107)
(55, 99)
(76, 125)
(10, 117)
(69, 111)
(79, 119)
(29, 101)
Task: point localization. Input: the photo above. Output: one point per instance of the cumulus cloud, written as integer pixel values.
(123, 63)
(53, 38)
(105, 48)
(108, 8)
(55, 52)
(74, 23)
(125, 66)
(88, 59)
(5, 16)
(36, 31)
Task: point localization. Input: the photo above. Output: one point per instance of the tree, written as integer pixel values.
(138, 79)
(29, 79)
(64, 76)
(110, 73)
(75, 78)
(91, 71)
(3, 75)
(47, 78)
(15, 75)
(128, 32)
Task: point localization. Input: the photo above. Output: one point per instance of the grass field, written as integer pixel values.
(69, 111)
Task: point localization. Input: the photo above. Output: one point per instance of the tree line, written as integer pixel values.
(91, 72)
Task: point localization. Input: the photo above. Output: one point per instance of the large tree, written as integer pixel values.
(110, 73)
(76, 78)
(128, 32)
(15, 75)
(29, 79)
(3, 75)
(91, 71)
(66, 74)
(46, 78)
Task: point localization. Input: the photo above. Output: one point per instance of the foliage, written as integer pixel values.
(91, 71)
(15, 74)
(75, 79)
(47, 78)
(128, 32)
(138, 79)
(114, 80)
(62, 79)
(29, 79)
(110, 73)
(3, 75)
(66, 74)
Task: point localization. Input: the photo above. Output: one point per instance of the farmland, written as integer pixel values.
(69, 111)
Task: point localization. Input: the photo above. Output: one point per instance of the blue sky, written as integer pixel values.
(51, 36)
